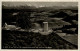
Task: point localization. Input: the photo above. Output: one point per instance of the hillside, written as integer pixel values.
(30, 40)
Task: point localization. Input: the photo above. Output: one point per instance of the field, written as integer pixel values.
(73, 39)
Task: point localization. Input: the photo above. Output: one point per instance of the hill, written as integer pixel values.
(30, 40)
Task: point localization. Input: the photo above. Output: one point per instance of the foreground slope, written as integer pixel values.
(30, 40)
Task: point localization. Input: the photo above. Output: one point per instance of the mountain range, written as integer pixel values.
(40, 7)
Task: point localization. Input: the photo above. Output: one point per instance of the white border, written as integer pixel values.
(39, 1)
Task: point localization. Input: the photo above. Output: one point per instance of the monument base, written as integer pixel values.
(45, 32)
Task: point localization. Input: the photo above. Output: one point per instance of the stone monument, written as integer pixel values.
(45, 29)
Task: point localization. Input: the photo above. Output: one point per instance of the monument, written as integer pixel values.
(45, 29)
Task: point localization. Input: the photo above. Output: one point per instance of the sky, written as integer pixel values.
(40, 4)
